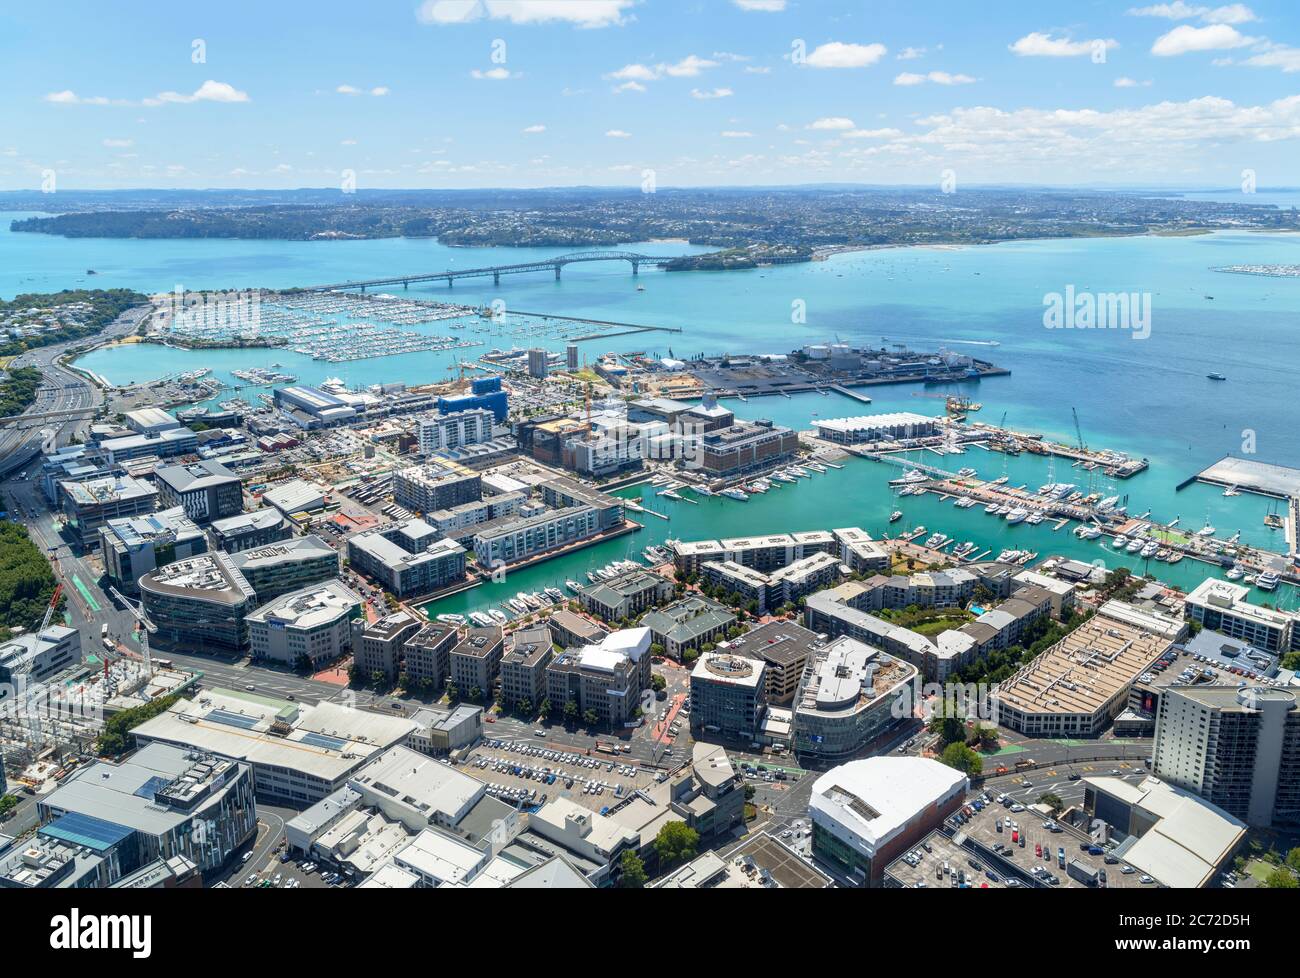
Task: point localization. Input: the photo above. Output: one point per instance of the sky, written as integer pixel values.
(534, 93)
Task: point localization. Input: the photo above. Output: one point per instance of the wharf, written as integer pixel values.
(1112, 463)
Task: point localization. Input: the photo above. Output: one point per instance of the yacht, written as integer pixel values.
(999, 481)
(1017, 515)
(671, 494)
(1235, 573)
(784, 476)
(1216, 377)
(517, 606)
(1176, 556)
(1003, 510)
(815, 466)
(965, 473)
(573, 586)
(735, 494)
(1149, 550)
(895, 516)
(966, 502)
(452, 619)
(1120, 542)
(480, 619)
(991, 508)
(1034, 518)
(1010, 556)
(1206, 530)
(498, 616)
(936, 540)
(555, 594)
(1088, 532)
(1267, 581)
(703, 490)
(1134, 546)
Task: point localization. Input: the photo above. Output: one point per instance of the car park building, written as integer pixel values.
(91, 504)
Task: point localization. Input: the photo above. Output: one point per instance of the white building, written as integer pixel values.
(455, 430)
(866, 813)
(314, 622)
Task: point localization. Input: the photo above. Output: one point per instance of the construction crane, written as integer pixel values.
(146, 627)
(1078, 430)
(49, 612)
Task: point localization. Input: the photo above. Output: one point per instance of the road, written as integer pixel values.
(62, 390)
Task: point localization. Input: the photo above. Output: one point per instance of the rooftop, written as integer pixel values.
(310, 607)
(876, 797)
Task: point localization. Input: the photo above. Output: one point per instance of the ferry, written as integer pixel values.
(739, 494)
(457, 620)
(1267, 581)
(895, 516)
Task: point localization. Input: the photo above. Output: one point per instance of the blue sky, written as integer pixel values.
(518, 93)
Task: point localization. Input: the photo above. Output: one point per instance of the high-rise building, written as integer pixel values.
(1238, 748)
(537, 363)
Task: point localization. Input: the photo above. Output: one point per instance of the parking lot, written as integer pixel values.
(524, 773)
(940, 862)
(1015, 840)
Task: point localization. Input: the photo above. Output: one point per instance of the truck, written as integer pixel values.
(1025, 764)
(1083, 873)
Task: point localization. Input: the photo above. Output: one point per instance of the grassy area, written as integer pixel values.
(1259, 869)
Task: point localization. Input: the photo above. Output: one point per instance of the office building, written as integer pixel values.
(867, 812)
(249, 530)
(571, 357)
(91, 504)
(407, 558)
(728, 696)
(439, 432)
(1236, 747)
(295, 497)
(135, 545)
(1221, 606)
(485, 393)
(476, 659)
(39, 656)
(160, 803)
(785, 647)
(523, 666)
(199, 603)
(312, 625)
(426, 655)
(538, 365)
(377, 646)
(745, 447)
(206, 490)
(606, 679)
(851, 694)
(150, 420)
(440, 731)
(568, 629)
(299, 753)
(163, 444)
(289, 565)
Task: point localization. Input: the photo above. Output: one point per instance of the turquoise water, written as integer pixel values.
(1147, 397)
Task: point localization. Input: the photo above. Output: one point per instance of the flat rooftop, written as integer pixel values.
(1080, 673)
(780, 643)
(1277, 480)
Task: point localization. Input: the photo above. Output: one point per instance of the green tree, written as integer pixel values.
(675, 844)
(658, 682)
(1293, 859)
(545, 708)
(1051, 800)
(524, 707)
(633, 871)
(590, 718)
(7, 804)
(958, 755)
(570, 711)
(1281, 879)
(951, 729)
(115, 738)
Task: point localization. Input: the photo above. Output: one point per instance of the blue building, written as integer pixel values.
(485, 392)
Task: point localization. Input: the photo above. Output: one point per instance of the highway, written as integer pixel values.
(63, 390)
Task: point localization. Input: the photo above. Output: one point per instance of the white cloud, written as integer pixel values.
(582, 13)
(1124, 82)
(617, 134)
(689, 67)
(492, 74)
(837, 54)
(764, 6)
(873, 134)
(535, 128)
(347, 142)
(831, 122)
(209, 91)
(379, 90)
(1184, 39)
(938, 77)
(1038, 45)
(757, 70)
(1233, 13)
(735, 134)
(348, 90)
(910, 54)
(711, 93)
(1279, 56)
(630, 86)
(119, 143)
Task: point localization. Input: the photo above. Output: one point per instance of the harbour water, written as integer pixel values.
(1149, 397)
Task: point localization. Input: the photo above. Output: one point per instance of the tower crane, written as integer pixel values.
(146, 627)
(1078, 430)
